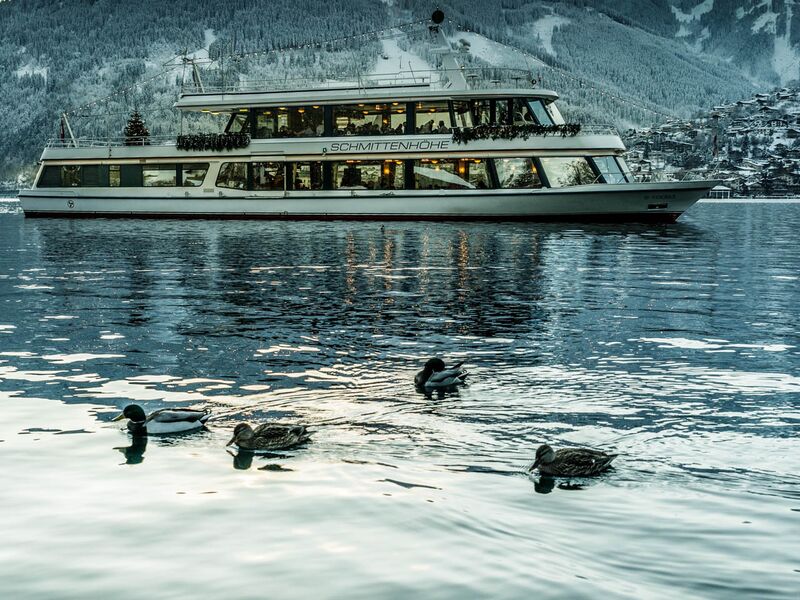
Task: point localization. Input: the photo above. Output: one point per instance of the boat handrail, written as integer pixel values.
(436, 78)
(81, 142)
(171, 140)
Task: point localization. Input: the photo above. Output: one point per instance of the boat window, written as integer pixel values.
(239, 123)
(70, 176)
(130, 175)
(233, 175)
(51, 177)
(564, 171)
(555, 114)
(536, 110)
(194, 174)
(94, 176)
(268, 176)
(433, 117)
(625, 168)
(304, 176)
(462, 113)
(113, 176)
(289, 121)
(523, 115)
(369, 119)
(481, 112)
(517, 173)
(501, 116)
(159, 175)
(368, 175)
(433, 174)
(609, 169)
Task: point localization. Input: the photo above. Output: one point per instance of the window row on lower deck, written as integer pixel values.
(124, 175)
(375, 174)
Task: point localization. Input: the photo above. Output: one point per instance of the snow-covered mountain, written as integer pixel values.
(628, 62)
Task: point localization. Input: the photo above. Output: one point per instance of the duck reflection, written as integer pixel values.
(134, 454)
(544, 485)
(243, 460)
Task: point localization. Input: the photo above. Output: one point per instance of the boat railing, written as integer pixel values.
(476, 78)
(81, 142)
(171, 140)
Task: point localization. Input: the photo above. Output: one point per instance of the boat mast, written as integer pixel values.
(449, 63)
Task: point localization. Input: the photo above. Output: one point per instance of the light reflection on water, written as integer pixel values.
(676, 346)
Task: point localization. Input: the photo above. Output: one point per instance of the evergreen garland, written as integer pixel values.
(213, 141)
(512, 132)
(136, 133)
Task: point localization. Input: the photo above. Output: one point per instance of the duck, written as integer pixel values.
(436, 375)
(164, 421)
(571, 462)
(268, 437)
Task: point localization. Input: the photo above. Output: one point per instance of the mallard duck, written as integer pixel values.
(435, 375)
(268, 437)
(166, 420)
(571, 462)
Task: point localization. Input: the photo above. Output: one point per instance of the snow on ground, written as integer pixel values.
(397, 61)
(493, 53)
(786, 59)
(694, 14)
(31, 69)
(544, 28)
(766, 21)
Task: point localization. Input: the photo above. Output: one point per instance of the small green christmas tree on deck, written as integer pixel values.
(136, 133)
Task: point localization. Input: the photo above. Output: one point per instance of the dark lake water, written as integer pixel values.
(676, 346)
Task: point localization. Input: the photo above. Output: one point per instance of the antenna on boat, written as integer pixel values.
(65, 123)
(450, 65)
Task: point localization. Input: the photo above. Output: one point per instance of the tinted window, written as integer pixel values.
(609, 169)
(433, 117)
(566, 171)
(94, 176)
(51, 177)
(240, 122)
(369, 175)
(159, 175)
(369, 119)
(539, 112)
(70, 176)
(517, 173)
(194, 174)
(289, 121)
(233, 175)
(463, 114)
(481, 112)
(304, 176)
(268, 176)
(130, 175)
(432, 174)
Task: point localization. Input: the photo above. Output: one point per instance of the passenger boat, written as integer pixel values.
(447, 145)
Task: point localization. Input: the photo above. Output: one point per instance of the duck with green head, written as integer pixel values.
(164, 421)
(436, 375)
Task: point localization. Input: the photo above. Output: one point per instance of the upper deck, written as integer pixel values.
(405, 86)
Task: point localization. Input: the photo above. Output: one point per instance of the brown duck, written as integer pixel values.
(268, 437)
(571, 462)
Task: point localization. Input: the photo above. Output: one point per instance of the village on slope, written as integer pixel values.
(752, 145)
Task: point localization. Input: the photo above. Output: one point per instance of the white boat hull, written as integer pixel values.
(630, 201)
